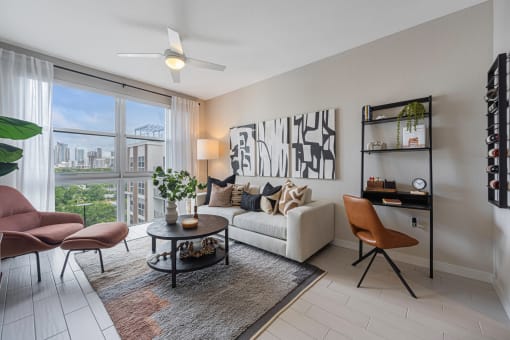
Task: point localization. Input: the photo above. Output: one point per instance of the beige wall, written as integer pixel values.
(502, 216)
(445, 58)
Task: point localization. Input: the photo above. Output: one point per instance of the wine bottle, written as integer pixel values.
(492, 169)
(492, 95)
(492, 138)
(494, 184)
(494, 152)
(493, 108)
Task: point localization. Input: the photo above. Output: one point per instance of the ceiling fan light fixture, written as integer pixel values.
(175, 62)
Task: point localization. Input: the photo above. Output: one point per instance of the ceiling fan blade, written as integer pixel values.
(176, 76)
(205, 64)
(175, 41)
(139, 55)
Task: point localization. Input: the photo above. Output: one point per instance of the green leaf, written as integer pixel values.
(18, 129)
(6, 168)
(9, 153)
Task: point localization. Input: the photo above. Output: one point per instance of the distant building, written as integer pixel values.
(151, 130)
(62, 153)
(92, 156)
(79, 156)
(143, 203)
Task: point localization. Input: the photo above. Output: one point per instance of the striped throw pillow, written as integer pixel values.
(237, 193)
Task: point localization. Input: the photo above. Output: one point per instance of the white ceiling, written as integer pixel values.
(255, 39)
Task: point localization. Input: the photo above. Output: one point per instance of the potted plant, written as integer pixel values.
(175, 186)
(413, 112)
(15, 129)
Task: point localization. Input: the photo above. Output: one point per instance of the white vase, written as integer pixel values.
(171, 212)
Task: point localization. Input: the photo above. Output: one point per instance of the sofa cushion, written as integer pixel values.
(270, 198)
(222, 183)
(262, 223)
(250, 202)
(237, 193)
(55, 233)
(253, 189)
(221, 196)
(292, 197)
(228, 212)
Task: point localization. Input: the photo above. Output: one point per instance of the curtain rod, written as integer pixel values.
(112, 81)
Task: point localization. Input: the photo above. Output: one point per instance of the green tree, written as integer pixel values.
(68, 198)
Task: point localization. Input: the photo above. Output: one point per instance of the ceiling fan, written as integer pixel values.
(175, 58)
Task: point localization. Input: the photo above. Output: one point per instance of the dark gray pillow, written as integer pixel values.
(250, 202)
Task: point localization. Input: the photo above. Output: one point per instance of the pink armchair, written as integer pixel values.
(27, 230)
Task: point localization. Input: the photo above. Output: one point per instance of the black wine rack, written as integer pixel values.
(497, 132)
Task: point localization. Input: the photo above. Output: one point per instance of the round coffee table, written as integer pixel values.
(207, 225)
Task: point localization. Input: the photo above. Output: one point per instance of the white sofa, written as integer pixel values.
(297, 236)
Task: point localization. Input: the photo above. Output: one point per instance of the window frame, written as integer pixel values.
(121, 174)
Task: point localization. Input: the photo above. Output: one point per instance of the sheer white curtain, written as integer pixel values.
(25, 93)
(182, 135)
(181, 140)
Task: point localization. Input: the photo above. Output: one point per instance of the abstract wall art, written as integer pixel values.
(313, 145)
(273, 148)
(242, 150)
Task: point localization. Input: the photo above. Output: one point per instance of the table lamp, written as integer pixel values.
(207, 149)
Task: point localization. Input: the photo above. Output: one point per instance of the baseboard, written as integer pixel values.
(502, 297)
(424, 262)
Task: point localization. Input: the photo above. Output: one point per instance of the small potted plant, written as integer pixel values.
(175, 186)
(413, 112)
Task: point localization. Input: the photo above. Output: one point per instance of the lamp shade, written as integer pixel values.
(207, 149)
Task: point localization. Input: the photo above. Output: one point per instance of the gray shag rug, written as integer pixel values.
(219, 302)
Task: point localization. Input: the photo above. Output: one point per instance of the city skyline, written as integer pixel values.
(74, 108)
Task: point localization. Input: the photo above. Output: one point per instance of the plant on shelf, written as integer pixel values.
(14, 129)
(413, 112)
(175, 186)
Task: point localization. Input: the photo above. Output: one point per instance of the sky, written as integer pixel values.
(75, 108)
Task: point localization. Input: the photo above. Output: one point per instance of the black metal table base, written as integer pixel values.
(173, 268)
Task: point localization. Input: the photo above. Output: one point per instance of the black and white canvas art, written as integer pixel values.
(313, 145)
(242, 150)
(273, 148)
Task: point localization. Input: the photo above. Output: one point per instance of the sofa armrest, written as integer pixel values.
(309, 228)
(15, 243)
(49, 218)
(200, 199)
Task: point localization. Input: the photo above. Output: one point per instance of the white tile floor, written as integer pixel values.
(449, 307)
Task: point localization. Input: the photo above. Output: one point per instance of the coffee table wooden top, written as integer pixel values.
(207, 225)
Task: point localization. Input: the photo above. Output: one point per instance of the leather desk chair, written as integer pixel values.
(367, 227)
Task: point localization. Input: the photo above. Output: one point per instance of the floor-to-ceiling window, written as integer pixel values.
(105, 149)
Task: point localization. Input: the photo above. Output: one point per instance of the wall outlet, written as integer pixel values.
(414, 222)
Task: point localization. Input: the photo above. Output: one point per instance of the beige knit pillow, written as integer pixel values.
(269, 204)
(221, 196)
(237, 193)
(292, 197)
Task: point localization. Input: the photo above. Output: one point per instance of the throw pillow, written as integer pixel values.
(221, 196)
(250, 202)
(211, 180)
(237, 193)
(292, 197)
(270, 197)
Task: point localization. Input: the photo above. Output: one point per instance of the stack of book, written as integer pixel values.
(392, 201)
